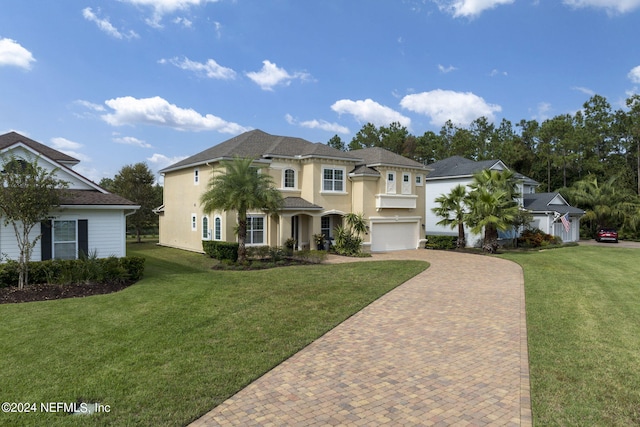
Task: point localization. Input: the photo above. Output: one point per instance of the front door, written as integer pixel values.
(295, 229)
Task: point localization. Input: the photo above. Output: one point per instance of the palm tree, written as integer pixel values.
(452, 210)
(491, 205)
(241, 188)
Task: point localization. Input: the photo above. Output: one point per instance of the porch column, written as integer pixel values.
(285, 229)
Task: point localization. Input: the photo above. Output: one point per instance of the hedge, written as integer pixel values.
(221, 250)
(441, 242)
(84, 270)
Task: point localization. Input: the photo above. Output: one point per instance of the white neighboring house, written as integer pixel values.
(547, 209)
(89, 219)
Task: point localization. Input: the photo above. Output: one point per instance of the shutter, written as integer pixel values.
(83, 237)
(45, 240)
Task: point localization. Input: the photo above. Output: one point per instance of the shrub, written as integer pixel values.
(537, 238)
(82, 270)
(221, 250)
(441, 242)
(347, 243)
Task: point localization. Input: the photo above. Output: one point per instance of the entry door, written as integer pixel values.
(295, 229)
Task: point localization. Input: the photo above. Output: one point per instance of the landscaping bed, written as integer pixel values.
(46, 292)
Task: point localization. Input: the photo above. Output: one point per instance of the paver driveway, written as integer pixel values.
(448, 347)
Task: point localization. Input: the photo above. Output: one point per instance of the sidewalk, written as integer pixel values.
(448, 347)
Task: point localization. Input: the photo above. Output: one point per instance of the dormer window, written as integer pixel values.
(289, 178)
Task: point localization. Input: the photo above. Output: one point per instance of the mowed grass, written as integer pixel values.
(171, 347)
(583, 318)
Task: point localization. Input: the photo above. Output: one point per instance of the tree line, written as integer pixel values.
(592, 157)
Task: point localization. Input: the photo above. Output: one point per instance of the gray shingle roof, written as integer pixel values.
(11, 138)
(374, 156)
(71, 197)
(257, 144)
(298, 203)
(458, 166)
(539, 202)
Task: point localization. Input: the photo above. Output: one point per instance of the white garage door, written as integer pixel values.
(393, 236)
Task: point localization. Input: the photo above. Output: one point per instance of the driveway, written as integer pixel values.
(447, 347)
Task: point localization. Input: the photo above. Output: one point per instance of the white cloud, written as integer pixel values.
(446, 70)
(270, 75)
(584, 90)
(496, 72)
(69, 148)
(184, 22)
(90, 105)
(13, 54)
(441, 105)
(369, 111)
(210, 68)
(130, 140)
(318, 124)
(634, 74)
(165, 7)
(160, 161)
(542, 112)
(157, 111)
(105, 26)
(468, 8)
(611, 6)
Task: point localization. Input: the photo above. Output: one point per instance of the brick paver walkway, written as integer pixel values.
(446, 348)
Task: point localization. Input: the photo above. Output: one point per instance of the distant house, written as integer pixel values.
(547, 209)
(89, 219)
(319, 184)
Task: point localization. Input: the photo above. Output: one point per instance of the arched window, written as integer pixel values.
(289, 178)
(217, 228)
(205, 228)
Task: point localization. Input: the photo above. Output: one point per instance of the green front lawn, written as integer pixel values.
(583, 318)
(171, 347)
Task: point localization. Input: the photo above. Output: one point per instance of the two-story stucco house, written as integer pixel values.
(90, 220)
(547, 209)
(319, 184)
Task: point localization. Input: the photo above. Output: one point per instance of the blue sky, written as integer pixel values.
(115, 82)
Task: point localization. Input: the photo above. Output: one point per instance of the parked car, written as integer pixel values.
(607, 235)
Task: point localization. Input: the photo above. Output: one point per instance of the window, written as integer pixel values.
(325, 226)
(194, 222)
(332, 179)
(255, 230)
(406, 183)
(64, 239)
(205, 228)
(217, 228)
(196, 176)
(289, 178)
(391, 183)
(419, 180)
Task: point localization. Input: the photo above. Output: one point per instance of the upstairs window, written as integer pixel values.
(333, 179)
(196, 176)
(289, 178)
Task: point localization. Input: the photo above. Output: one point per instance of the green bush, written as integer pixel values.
(221, 250)
(347, 243)
(441, 242)
(82, 270)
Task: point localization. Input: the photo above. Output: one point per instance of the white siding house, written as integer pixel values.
(89, 220)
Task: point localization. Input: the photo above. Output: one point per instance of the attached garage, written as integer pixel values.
(394, 234)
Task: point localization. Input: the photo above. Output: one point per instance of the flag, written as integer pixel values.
(565, 222)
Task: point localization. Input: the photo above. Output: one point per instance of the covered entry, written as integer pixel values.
(394, 234)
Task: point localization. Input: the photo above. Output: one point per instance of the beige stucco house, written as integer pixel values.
(319, 184)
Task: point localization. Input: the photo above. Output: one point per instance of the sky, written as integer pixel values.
(117, 82)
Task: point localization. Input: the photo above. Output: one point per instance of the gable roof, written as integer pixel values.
(377, 156)
(459, 166)
(540, 202)
(93, 198)
(257, 144)
(12, 138)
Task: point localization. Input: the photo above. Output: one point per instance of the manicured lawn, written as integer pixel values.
(169, 348)
(583, 317)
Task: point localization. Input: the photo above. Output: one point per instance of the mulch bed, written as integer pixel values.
(45, 292)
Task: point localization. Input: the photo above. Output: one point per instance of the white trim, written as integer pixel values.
(344, 179)
(390, 180)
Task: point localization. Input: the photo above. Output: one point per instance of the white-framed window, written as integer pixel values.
(217, 228)
(194, 222)
(325, 226)
(406, 183)
(333, 179)
(391, 183)
(196, 176)
(255, 230)
(206, 233)
(289, 178)
(65, 239)
(419, 180)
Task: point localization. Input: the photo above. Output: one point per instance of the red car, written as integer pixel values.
(607, 235)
